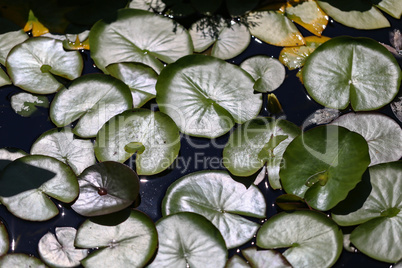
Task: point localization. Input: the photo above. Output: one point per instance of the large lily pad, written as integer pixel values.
(131, 243)
(27, 183)
(33, 65)
(261, 141)
(138, 36)
(62, 145)
(383, 135)
(93, 99)
(25, 103)
(312, 239)
(8, 41)
(4, 79)
(105, 188)
(355, 70)
(4, 242)
(223, 201)
(380, 216)
(324, 164)
(188, 239)
(20, 260)
(153, 136)
(205, 96)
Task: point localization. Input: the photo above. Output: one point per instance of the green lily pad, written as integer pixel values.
(62, 145)
(227, 41)
(267, 72)
(7, 155)
(4, 241)
(223, 201)
(27, 183)
(264, 258)
(324, 164)
(150, 5)
(33, 65)
(205, 96)
(237, 262)
(131, 243)
(8, 41)
(312, 239)
(383, 134)
(25, 104)
(370, 76)
(58, 250)
(188, 239)
(4, 79)
(152, 135)
(105, 188)
(140, 78)
(392, 7)
(20, 260)
(138, 36)
(93, 99)
(380, 216)
(257, 143)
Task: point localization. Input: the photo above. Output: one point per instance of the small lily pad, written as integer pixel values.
(58, 250)
(8, 41)
(105, 188)
(392, 7)
(4, 241)
(7, 155)
(189, 239)
(131, 243)
(20, 260)
(312, 239)
(33, 65)
(25, 104)
(4, 79)
(265, 258)
(223, 201)
(93, 99)
(62, 145)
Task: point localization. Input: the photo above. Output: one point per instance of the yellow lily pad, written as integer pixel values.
(34, 25)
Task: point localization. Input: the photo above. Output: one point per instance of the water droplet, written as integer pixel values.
(102, 191)
(238, 250)
(94, 65)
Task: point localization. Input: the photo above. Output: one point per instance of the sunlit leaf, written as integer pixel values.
(392, 7)
(265, 258)
(34, 25)
(20, 260)
(25, 104)
(8, 41)
(237, 262)
(7, 155)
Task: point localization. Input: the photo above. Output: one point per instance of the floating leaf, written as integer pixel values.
(383, 135)
(8, 41)
(131, 243)
(267, 72)
(81, 41)
(323, 116)
(205, 96)
(20, 260)
(355, 70)
(7, 155)
(256, 143)
(33, 65)
(223, 201)
(237, 262)
(138, 36)
(188, 239)
(150, 5)
(155, 131)
(4, 79)
(4, 242)
(34, 25)
(324, 164)
(27, 183)
(62, 145)
(25, 104)
(140, 78)
(392, 7)
(58, 250)
(105, 188)
(265, 258)
(312, 239)
(93, 99)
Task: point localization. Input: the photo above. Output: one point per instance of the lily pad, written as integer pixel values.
(223, 201)
(237, 262)
(227, 41)
(25, 104)
(105, 188)
(7, 155)
(150, 5)
(267, 72)
(324, 164)
(27, 183)
(131, 243)
(20, 260)
(8, 41)
(62, 145)
(93, 99)
(380, 216)
(33, 65)
(58, 250)
(4, 79)
(152, 135)
(392, 7)
(265, 258)
(257, 143)
(383, 135)
(189, 239)
(205, 96)
(140, 78)
(138, 36)
(369, 78)
(34, 25)
(4, 242)
(312, 239)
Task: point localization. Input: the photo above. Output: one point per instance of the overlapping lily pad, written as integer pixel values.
(138, 36)
(8, 41)
(4, 242)
(312, 239)
(7, 155)
(223, 201)
(355, 70)
(93, 99)
(188, 239)
(20, 260)
(34, 65)
(263, 258)
(324, 164)
(25, 103)
(205, 96)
